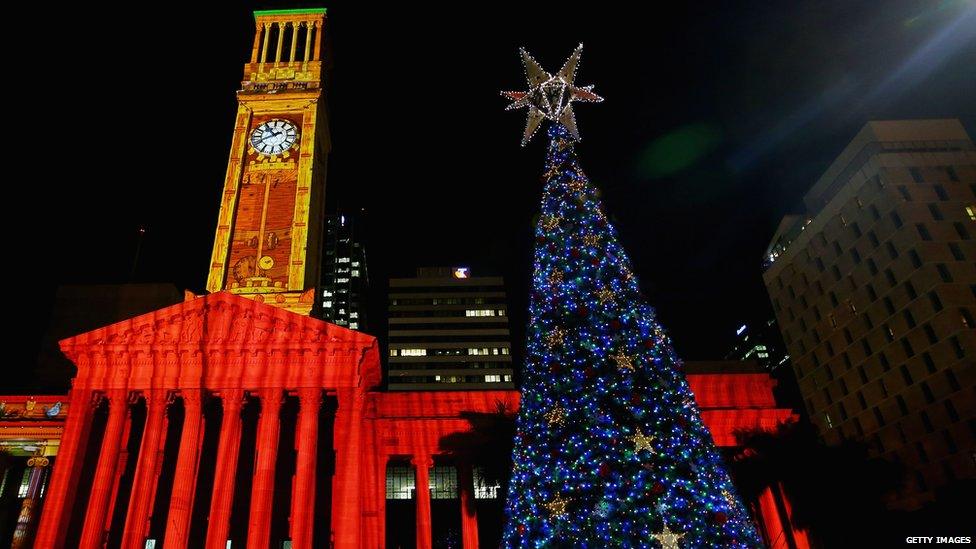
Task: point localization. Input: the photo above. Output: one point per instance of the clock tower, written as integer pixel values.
(269, 228)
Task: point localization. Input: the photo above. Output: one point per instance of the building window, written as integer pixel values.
(941, 192)
(936, 302)
(872, 267)
(848, 338)
(930, 332)
(944, 273)
(866, 347)
(855, 255)
(861, 401)
(910, 290)
(961, 230)
(957, 347)
(951, 411)
(927, 393)
(909, 318)
(952, 380)
(916, 260)
(889, 335)
(956, 251)
(862, 373)
(883, 360)
(922, 456)
(493, 378)
(909, 351)
(902, 407)
(24, 484)
(873, 238)
(413, 352)
(889, 306)
(874, 212)
(916, 174)
(856, 229)
(393, 352)
(891, 278)
(892, 251)
(443, 482)
(936, 212)
(878, 416)
(896, 219)
(400, 481)
(926, 422)
(923, 231)
(478, 351)
(967, 318)
(820, 265)
(479, 312)
(871, 293)
(929, 363)
(903, 191)
(971, 212)
(482, 488)
(837, 250)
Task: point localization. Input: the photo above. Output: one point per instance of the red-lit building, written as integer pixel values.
(234, 419)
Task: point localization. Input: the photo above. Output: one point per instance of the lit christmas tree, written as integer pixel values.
(610, 449)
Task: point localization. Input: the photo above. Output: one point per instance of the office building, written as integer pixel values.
(874, 289)
(760, 341)
(448, 330)
(344, 277)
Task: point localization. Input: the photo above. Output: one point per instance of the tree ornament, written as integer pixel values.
(557, 507)
(668, 539)
(556, 417)
(616, 325)
(591, 240)
(556, 277)
(551, 97)
(642, 441)
(604, 470)
(577, 185)
(720, 517)
(555, 337)
(550, 223)
(552, 172)
(624, 362)
(605, 295)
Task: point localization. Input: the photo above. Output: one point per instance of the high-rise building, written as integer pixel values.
(448, 330)
(874, 288)
(344, 277)
(760, 341)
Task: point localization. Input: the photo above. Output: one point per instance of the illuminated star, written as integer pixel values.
(642, 441)
(729, 498)
(555, 337)
(577, 185)
(555, 416)
(557, 507)
(550, 223)
(551, 96)
(591, 239)
(554, 171)
(556, 277)
(624, 362)
(605, 294)
(668, 539)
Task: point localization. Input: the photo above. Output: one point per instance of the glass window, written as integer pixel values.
(482, 489)
(399, 481)
(443, 482)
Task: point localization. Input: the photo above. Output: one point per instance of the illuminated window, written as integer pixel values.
(355, 272)
(326, 293)
(443, 482)
(342, 280)
(24, 484)
(327, 304)
(971, 212)
(508, 378)
(393, 352)
(355, 264)
(479, 312)
(354, 315)
(353, 325)
(343, 260)
(413, 352)
(399, 482)
(493, 378)
(504, 350)
(481, 351)
(482, 488)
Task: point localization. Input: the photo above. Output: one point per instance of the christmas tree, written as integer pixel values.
(610, 449)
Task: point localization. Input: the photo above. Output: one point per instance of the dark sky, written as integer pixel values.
(717, 119)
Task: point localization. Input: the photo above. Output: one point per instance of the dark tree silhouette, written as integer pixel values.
(487, 446)
(837, 492)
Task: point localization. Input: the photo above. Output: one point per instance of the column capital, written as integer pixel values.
(422, 461)
(192, 398)
(310, 397)
(271, 396)
(233, 399)
(38, 461)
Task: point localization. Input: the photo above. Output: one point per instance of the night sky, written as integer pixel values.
(717, 119)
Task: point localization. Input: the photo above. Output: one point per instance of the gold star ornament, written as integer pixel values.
(668, 539)
(624, 362)
(605, 294)
(556, 416)
(550, 96)
(555, 337)
(556, 277)
(642, 441)
(550, 223)
(557, 507)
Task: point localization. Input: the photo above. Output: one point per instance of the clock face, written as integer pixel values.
(274, 137)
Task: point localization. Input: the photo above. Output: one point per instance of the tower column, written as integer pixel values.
(264, 47)
(423, 463)
(281, 38)
(93, 532)
(318, 40)
(28, 509)
(60, 494)
(262, 486)
(294, 42)
(147, 470)
(308, 40)
(228, 450)
(306, 438)
(256, 48)
(469, 513)
(185, 475)
(347, 486)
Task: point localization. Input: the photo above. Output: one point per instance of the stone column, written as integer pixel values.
(93, 532)
(256, 48)
(265, 458)
(308, 42)
(185, 474)
(306, 438)
(469, 513)
(347, 487)
(281, 38)
(28, 509)
(422, 463)
(264, 47)
(294, 42)
(147, 470)
(318, 40)
(228, 450)
(60, 493)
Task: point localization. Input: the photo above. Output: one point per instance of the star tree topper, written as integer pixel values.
(551, 96)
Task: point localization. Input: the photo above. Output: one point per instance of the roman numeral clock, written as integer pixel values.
(269, 228)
